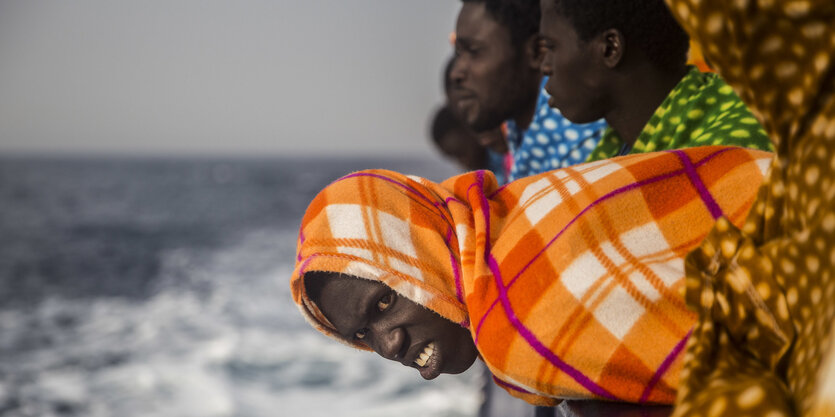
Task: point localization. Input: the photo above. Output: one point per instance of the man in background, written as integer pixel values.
(450, 135)
(496, 79)
(625, 61)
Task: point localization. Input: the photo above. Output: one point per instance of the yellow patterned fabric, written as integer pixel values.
(765, 293)
(569, 281)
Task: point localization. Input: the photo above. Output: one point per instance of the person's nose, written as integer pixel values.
(545, 67)
(459, 71)
(389, 343)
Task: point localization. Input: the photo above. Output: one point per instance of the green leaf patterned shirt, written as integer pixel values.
(701, 110)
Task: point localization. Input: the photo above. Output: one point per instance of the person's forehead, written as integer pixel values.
(475, 23)
(548, 12)
(346, 288)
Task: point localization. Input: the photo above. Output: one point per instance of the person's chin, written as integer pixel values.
(482, 123)
(468, 111)
(566, 111)
(554, 103)
(432, 369)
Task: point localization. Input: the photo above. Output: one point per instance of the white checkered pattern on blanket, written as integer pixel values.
(619, 311)
(347, 222)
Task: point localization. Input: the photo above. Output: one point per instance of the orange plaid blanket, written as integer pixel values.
(569, 281)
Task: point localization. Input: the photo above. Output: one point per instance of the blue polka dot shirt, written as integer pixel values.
(550, 141)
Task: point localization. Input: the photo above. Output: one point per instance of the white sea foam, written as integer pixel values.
(218, 337)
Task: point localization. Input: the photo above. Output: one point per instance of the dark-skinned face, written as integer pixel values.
(396, 328)
(569, 63)
(491, 80)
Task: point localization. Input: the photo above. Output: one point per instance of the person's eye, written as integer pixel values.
(384, 302)
(360, 334)
(468, 50)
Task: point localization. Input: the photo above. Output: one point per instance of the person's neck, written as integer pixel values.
(524, 116)
(637, 97)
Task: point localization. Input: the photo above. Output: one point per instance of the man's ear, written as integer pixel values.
(533, 54)
(611, 47)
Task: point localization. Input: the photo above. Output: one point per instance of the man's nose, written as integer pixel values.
(388, 343)
(544, 67)
(458, 71)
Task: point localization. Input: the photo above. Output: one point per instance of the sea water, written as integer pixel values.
(159, 287)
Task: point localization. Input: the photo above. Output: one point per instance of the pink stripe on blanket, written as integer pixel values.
(668, 361)
(694, 177)
(529, 337)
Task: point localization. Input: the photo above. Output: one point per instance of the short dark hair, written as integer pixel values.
(520, 17)
(646, 24)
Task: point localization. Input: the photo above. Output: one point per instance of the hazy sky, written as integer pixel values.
(277, 77)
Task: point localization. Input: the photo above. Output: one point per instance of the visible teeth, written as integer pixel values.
(425, 355)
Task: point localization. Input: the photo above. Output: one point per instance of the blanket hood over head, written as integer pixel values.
(570, 281)
(392, 228)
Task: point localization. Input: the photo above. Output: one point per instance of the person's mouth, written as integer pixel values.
(459, 94)
(427, 361)
(425, 355)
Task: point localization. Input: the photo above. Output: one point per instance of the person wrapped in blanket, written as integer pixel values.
(566, 284)
(765, 292)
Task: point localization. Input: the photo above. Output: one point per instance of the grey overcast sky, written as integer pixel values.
(221, 77)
